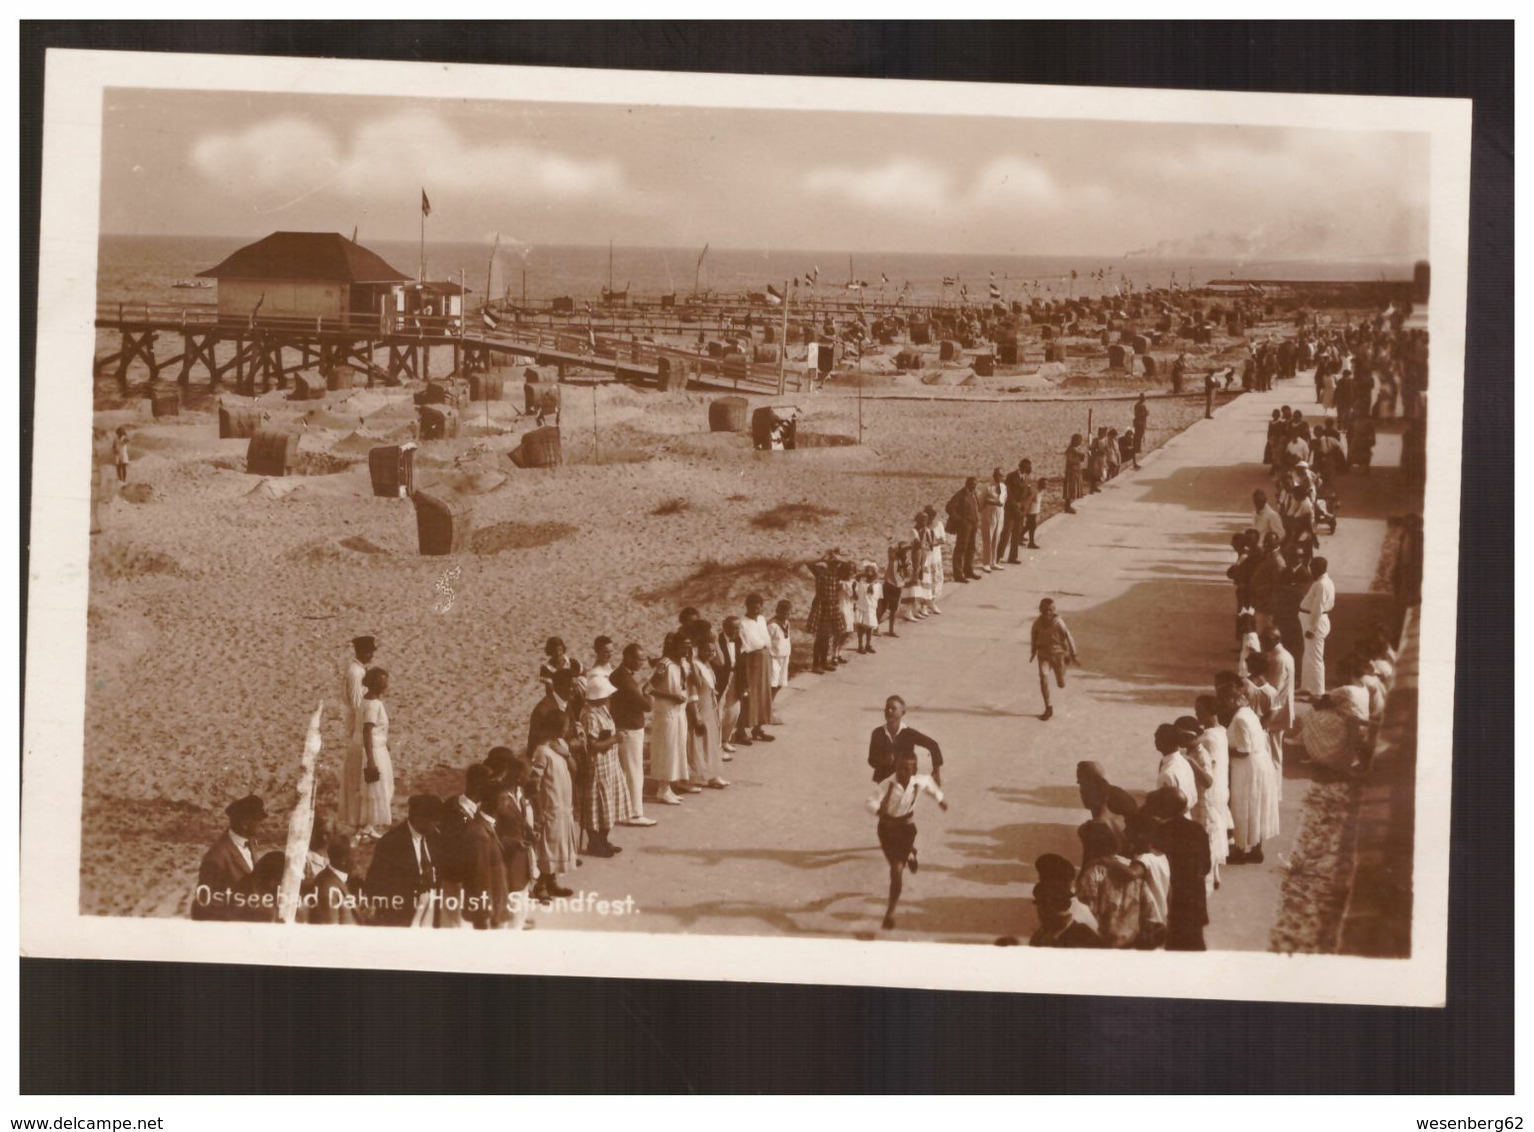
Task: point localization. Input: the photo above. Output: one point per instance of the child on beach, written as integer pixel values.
(120, 453)
(894, 801)
(894, 583)
(1053, 648)
(1031, 515)
(846, 596)
(869, 593)
(780, 646)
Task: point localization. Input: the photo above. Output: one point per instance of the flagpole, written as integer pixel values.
(421, 278)
(783, 346)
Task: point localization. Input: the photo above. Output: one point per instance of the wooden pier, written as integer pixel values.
(257, 354)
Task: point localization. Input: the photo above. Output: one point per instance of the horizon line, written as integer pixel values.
(1401, 257)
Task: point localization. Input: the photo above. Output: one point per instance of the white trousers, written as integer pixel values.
(990, 535)
(631, 761)
(1313, 665)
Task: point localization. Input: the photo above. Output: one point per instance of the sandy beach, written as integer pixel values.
(221, 603)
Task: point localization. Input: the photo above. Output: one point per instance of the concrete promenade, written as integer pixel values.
(1139, 576)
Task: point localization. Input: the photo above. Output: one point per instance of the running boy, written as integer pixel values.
(1053, 647)
(894, 801)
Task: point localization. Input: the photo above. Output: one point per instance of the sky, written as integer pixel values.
(240, 164)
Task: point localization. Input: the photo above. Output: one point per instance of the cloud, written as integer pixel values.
(293, 156)
(279, 154)
(907, 185)
(1012, 180)
(900, 184)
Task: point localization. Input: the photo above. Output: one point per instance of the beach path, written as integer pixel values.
(1139, 576)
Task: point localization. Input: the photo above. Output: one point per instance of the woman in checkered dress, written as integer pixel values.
(603, 790)
(825, 619)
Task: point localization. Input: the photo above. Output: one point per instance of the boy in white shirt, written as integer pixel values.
(894, 800)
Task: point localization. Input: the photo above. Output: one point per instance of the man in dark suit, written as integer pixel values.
(228, 861)
(404, 871)
(729, 678)
(1012, 526)
(1186, 845)
(486, 903)
(551, 715)
(892, 740)
(332, 896)
(964, 522)
(629, 707)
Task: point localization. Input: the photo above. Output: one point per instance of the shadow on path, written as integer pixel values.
(794, 858)
(1048, 797)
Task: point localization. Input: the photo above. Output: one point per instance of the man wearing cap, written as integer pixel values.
(1316, 620)
(630, 704)
(1064, 921)
(228, 861)
(403, 876)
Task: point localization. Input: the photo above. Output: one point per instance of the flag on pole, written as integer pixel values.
(490, 323)
(949, 281)
(425, 204)
(774, 296)
(883, 277)
(995, 291)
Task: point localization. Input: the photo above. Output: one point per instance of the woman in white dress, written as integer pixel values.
(669, 720)
(1253, 779)
(367, 778)
(846, 604)
(1335, 731)
(352, 693)
(920, 589)
(939, 532)
(1212, 750)
(780, 647)
(704, 764)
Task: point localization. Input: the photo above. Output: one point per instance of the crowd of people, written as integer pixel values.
(624, 729)
(1149, 868)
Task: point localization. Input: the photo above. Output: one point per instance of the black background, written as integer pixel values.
(119, 1027)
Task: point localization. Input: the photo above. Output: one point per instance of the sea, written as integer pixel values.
(142, 269)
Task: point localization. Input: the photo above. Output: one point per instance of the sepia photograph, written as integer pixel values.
(738, 527)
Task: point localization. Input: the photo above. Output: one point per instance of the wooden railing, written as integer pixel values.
(612, 346)
(202, 316)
